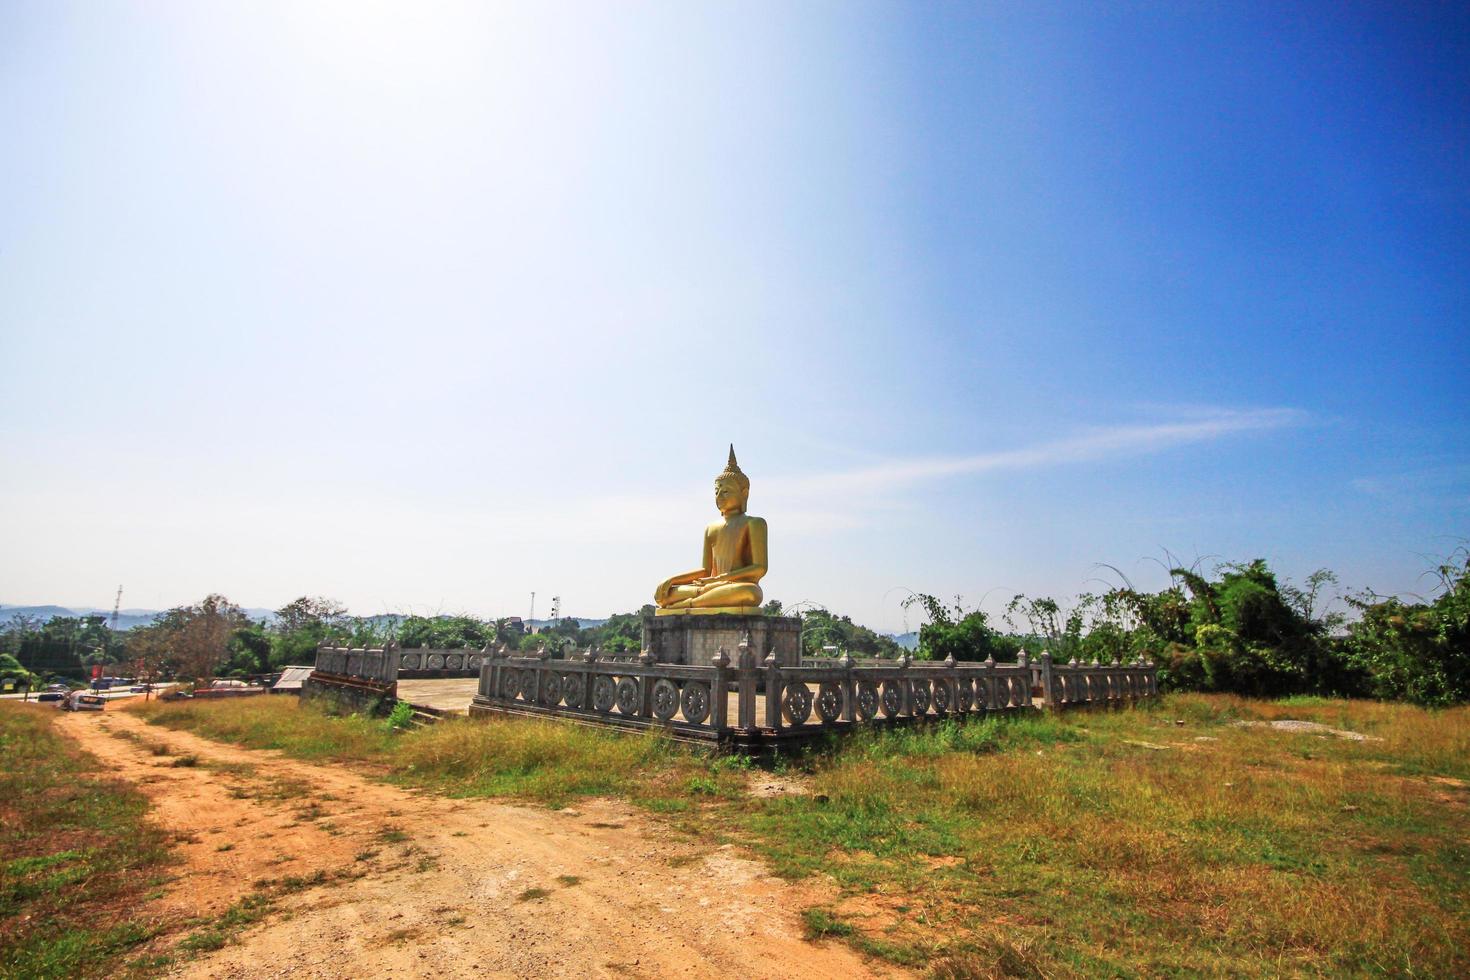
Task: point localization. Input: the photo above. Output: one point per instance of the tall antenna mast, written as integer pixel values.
(116, 605)
(531, 618)
(555, 611)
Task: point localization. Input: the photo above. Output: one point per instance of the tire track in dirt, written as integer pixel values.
(410, 884)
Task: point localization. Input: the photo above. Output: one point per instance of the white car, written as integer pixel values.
(80, 701)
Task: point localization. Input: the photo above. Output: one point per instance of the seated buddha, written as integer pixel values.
(734, 556)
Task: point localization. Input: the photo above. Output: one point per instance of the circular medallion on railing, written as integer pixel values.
(436, 661)
(867, 700)
(571, 686)
(829, 702)
(628, 696)
(665, 699)
(965, 690)
(454, 661)
(1002, 692)
(528, 684)
(551, 689)
(410, 661)
(796, 704)
(920, 697)
(892, 698)
(475, 662)
(695, 702)
(941, 696)
(604, 692)
(510, 682)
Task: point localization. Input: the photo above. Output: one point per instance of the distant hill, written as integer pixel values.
(129, 618)
(909, 641)
(586, 624)
(126, 618)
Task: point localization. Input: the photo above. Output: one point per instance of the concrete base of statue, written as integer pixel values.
(694, 639)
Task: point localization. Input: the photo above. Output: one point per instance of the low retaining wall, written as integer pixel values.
(361, 679)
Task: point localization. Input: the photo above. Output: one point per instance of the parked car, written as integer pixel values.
(49, 695)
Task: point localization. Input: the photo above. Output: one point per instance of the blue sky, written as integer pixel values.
(425, 307)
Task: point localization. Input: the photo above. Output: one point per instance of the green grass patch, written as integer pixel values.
(820, 923)
(76, 854)
(223, 930)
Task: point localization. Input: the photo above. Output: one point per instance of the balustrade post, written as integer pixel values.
(992, 696)
(745, 701)
(951, 681)
(645, 685)
(718, 698)
(391, 660)
(1025, 663)
(773, 692)
(1047, 690)
(849, 687)
(589, 657)
(490, 672)
(905, 686)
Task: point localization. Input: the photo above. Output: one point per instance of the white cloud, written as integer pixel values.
(1088, 446)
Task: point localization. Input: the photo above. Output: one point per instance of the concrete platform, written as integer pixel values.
(442, 694)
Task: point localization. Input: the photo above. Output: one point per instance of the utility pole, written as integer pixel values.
(555, 611)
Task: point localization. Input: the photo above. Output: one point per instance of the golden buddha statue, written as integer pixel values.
(734, 557)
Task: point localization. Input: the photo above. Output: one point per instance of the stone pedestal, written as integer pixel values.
(694, 640)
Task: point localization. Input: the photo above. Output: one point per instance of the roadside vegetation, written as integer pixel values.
(1235, 628)
(1187, 836)
(76, 855)
(1239, 629)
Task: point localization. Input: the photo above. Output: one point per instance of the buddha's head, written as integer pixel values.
(732, 488)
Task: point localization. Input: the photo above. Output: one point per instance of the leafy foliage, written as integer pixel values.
(821, 628)
(1420, 651)
(954, 632)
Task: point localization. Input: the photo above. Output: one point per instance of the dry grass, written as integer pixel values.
(275, 723)
(76, 855)
(541, 760)
(1125, 842)
(1164, 840)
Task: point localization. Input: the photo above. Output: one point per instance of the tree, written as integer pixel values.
(148, 652)
(952, 631)
(1416, 651)
(13, 673)
(622, 633)
(198, 637)
(303, 624)
(310, 614)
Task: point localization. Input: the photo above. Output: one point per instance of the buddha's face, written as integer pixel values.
(729, 497)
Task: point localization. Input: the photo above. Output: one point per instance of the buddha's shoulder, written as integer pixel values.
(744, 521)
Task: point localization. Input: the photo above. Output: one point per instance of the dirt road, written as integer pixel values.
(408, 884)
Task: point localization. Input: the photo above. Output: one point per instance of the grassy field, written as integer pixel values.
(1189, 837)
(75, 855)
